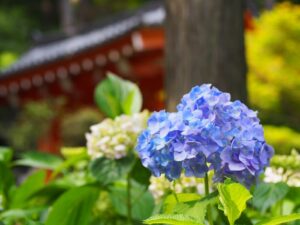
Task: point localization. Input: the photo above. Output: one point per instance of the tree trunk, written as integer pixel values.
(204, 44)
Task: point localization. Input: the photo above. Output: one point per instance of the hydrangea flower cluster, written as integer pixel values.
(208, 132)
(113, 139)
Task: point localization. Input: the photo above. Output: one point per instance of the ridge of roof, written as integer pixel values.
(150, 14)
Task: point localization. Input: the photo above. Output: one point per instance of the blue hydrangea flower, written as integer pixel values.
(209, 132)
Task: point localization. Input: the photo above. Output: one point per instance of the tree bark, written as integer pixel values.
(204, 44)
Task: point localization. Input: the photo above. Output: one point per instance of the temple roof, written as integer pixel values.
(149, 15)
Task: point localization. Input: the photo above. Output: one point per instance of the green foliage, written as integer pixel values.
(142, 202)
(73, 207)
(287, 162)
(173, 219)
(281, 219)
(233, 198)
(33, 183)
(6, 154)
(39, 160)
(106, 171)
(115, 96)
(283, 139)
(267, 194)
(6, 59)
(31, 123)
(76, 124)
(273, 55)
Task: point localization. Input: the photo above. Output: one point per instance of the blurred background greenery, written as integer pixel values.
(273, 53)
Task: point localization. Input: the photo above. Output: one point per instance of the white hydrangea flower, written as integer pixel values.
(274, 175)
(160, 186)
(115, 138)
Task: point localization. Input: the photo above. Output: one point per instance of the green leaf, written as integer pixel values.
(131, 99)
(107, 98)
(142, 201)
(14, 214)
(116, 96)
(6, 183)
(267, 194)
(47, 194)
(32, 183)
(170, 201)
(107, 171)
(280, 219)
(6, 154)
(173, 219)
(233, 198)
(73, 207)
(39, 160)
(140, 174)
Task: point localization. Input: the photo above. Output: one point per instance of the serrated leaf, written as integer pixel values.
(73, 207)
(280, 219)
(39, 160)
(267, 194)
(172, 219)
(171, 201)
(233, 198)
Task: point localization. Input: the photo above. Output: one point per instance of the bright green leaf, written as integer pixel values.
(171, 201)
(172, 219)
(132, 99)
(281, 219)
(116, 96)
(233, 198)
(39, 160)
(267, 194)
(73, 207)
(107, 98)
(6, 154)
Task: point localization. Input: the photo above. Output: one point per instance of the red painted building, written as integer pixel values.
(129, 45)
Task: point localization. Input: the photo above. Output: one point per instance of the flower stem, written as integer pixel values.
(129, 216)
(209, 215)
(174, 191)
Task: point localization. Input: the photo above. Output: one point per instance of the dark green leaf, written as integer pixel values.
(267, 194)
(73, 207)
(141, 200)
(47, 195)
(140, 174)
(233, 198)
(32, 183)
(39, 160)
(107, 171)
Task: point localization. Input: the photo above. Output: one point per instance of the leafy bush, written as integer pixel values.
(283, 139)
(76, 124)
(273, 52)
